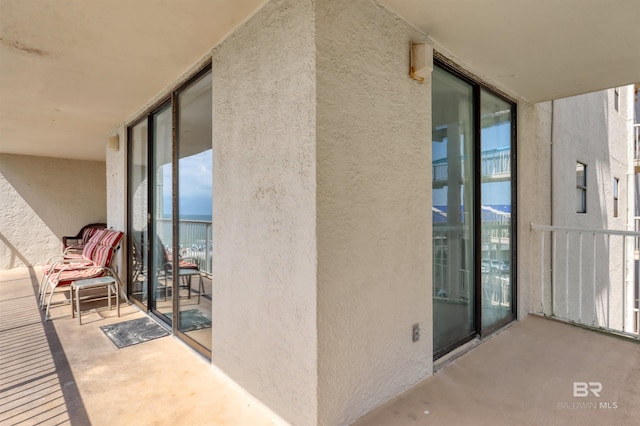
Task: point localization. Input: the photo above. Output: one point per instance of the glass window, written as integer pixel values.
(496, 126)
(581, 185)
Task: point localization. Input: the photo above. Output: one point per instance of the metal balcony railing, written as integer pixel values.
(495, 165)
(195, 240)
(587, 276)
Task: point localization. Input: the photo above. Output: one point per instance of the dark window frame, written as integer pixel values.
(616, 187)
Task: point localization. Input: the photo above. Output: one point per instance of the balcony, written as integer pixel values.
(61, 373)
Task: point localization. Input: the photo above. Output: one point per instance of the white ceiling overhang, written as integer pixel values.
(71, 70)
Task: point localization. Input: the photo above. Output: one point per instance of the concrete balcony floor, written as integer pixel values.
(61, 373)
(524, 375)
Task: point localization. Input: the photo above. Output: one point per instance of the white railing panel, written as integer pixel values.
(592, 277)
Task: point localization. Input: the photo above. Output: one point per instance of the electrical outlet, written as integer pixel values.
(415, 332)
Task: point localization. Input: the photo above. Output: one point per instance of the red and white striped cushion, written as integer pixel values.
(47, 269)
(71, 275)
(88, 233)
(111, 238)
(89, 248)
(102, 255)
(97, 236)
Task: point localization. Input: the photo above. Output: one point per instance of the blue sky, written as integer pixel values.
(195, 187)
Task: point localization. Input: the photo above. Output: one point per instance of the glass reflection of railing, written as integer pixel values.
(495, 263)
(195, 240)
(495, 165)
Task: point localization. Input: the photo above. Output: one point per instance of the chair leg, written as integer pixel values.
(46, 315)
(42, 288)
(43, 293)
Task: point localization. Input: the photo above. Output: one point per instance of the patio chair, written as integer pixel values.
(100, 257)
(77, 242)
(187, 268)
(59, 261)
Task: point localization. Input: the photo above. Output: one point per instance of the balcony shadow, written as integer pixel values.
(37, 385)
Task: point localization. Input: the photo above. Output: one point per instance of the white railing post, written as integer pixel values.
(624, 282)
(542, 273)
(593, 261)
(608, 245)
(580, 281)
(553, 273)
(566, 275)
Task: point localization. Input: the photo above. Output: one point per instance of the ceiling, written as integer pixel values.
(72, 70)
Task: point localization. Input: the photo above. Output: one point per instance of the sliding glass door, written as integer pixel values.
(170, 204)
(195, 181)
(453, 210)
(496, 139)
(473, 147)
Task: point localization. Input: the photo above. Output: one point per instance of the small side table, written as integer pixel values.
(108, 282)
(187, 273)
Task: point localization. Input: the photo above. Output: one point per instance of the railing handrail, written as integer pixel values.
(167, 219)
(536, 227)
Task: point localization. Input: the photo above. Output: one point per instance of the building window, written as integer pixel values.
(581, 185)
(616, 182)
(616, 99)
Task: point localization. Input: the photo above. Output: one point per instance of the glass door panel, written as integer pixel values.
(195, 206)
(138, 213)
(452, 211)
(162, 212)
(496, 118)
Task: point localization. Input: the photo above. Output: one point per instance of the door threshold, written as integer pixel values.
(447, 359)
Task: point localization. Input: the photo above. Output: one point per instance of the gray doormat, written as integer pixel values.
(192, 319)
(132, 332)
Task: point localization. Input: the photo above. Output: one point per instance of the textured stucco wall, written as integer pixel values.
(534, 201)
(43, 199)
(374, 210)
(116, 175)
(264, 256)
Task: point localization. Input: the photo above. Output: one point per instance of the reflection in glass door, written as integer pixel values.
(195, 206)
(138, 213)
(496, 118)
(162, 225)
(473, 147)
(453, 211)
